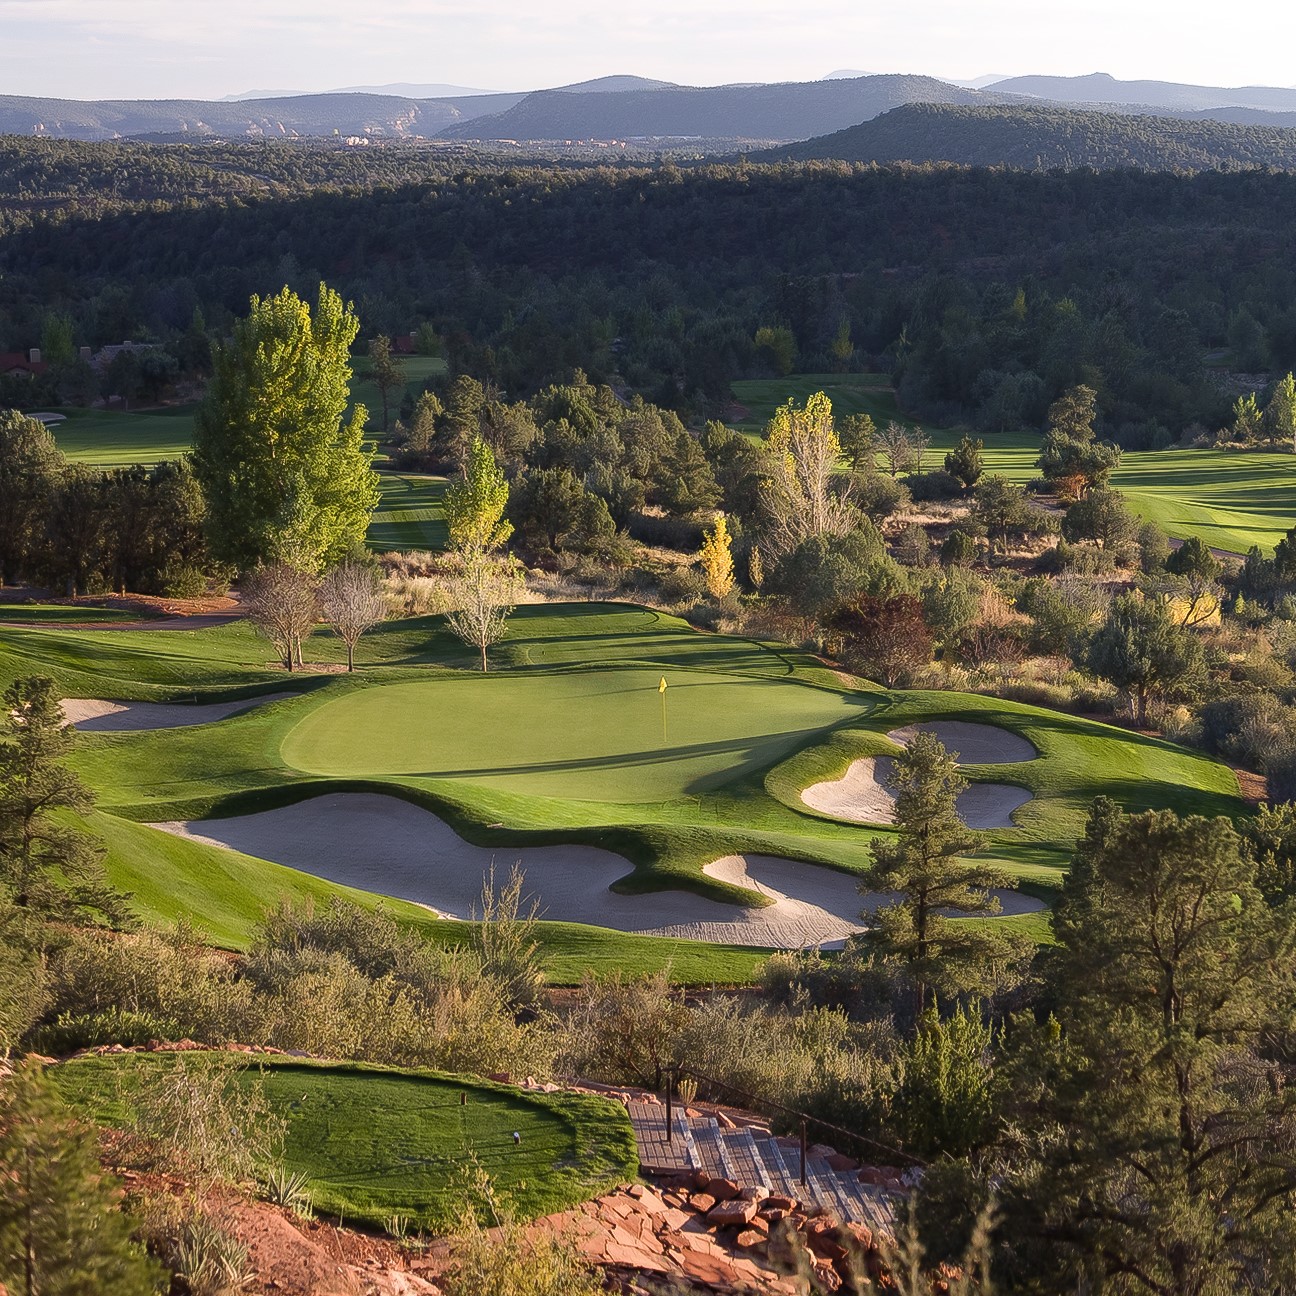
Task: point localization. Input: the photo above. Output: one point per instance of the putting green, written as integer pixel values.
(594, 735)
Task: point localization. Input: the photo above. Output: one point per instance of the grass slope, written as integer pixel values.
(376, 1143)
(1230, 499)
(410, 513)
(562, 743)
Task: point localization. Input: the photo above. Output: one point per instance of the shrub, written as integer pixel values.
(936, 485)
(877, 495)
(73, 1031)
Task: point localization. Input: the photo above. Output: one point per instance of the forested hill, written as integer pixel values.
(788, 111)
(1042, 138)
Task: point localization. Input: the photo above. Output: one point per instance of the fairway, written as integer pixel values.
(410, 513)
(1230, 499)
(118, 438)
(593, 735)
(374, 1143)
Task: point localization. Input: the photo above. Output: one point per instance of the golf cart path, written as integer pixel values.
(391, 847)
(863, 794)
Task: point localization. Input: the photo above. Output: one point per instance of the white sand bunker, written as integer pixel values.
(94, 715)
(975, 744)
(863, 793)
(389, 846)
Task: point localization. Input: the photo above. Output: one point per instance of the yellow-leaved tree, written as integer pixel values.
(717, 559)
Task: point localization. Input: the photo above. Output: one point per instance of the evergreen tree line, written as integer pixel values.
(949, 277)
(85, 530)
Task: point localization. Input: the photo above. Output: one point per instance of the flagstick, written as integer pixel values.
(663, 700)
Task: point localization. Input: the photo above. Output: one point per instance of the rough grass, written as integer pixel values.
(377, 1143)
(1231, 499)
(64, 613)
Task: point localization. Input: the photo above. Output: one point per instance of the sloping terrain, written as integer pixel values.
(1042, 138)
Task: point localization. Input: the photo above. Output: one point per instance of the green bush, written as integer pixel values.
(73, 1031)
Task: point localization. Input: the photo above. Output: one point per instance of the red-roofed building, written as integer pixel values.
(16, 362)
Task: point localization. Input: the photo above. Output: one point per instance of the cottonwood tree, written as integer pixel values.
(282, 604)
(1158, 1152)
(485, 594)
(923, 864)
(475, 504)
(716, 559)
(386, 374)
(46, 865)
(286, 474)
(61, 1227)
(350, 596)
(800, 498)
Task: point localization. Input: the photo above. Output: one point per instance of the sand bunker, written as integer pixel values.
(976, 744)
(94, 715)
(389, 846)
(862, 795)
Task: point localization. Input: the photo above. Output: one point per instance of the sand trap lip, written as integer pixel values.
(862, 795)
(97, 715)
(976, 744)
(391, 847)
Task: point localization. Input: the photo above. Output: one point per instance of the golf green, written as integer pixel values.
(592, 735)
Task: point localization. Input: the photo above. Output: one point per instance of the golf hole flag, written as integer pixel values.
(661, 688)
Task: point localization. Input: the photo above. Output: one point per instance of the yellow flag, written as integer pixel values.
(661, 688)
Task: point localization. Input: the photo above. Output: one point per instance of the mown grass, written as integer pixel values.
(410, 514)
(1231, 499)
(117, 438)
(379, 1143)
(62, 613)
(552, 747)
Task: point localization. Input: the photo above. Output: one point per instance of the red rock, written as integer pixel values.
(735, 1211)
(838, 1161)
(722, 1189)
(827, 1277)
(750, 1239)
(862, 1235)
(753, 1194)
(777, 1202)
(702, 1202)
(772, 1214)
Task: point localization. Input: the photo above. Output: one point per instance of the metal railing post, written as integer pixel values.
(670, 1121)
(803, 1152)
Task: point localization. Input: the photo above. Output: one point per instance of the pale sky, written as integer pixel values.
(137, 49)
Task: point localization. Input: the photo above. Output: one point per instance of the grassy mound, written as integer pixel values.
(377, 1143)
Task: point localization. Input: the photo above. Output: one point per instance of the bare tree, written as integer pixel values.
(351, 598)
(485, 593)
(281, 603)
(900, 448)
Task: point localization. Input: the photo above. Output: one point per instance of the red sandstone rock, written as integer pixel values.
(736, 1211)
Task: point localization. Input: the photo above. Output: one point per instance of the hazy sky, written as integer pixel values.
(207, 48)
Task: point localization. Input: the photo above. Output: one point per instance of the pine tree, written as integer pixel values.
(1071, 460)
(385, 373)
(62, 1232)
(716, 559)
(922, 863)
(45, 866)
(30, 468)
(1162, 1153)
(856, 433)
(286, 474)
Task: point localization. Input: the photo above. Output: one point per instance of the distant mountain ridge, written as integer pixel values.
(1044, 137)
(787, 111)
(1102, 88)
(620, 107)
